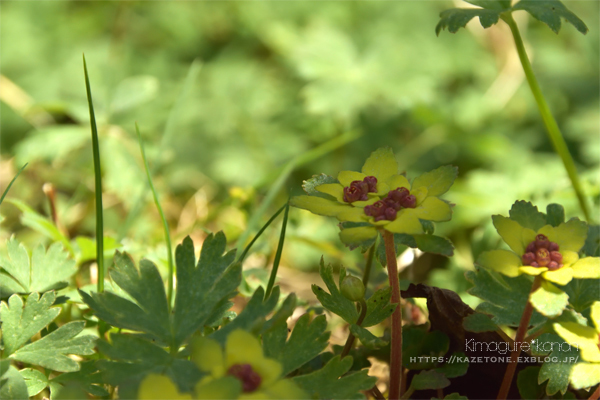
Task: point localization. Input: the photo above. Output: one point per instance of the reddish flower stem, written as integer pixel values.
(596, 394)
(521, 331)
(396, 350)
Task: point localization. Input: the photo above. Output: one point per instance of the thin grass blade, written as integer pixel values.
(247, 249)
(11, 182)
(278, 253)
(98, 184)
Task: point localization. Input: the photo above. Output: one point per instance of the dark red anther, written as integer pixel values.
(390, 214)
(531, 248)
(398, 194)
(542, 257)
(552, 266)
(409, 201)
(391, 203)
(541, 241)
(534, 264)
(556, 256)
(553, 247)
(354, 193)
(371, 181)
(250, 379)
(528, 258)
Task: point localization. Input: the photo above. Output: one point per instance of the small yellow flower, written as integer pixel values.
(551, 252)
(257, 377)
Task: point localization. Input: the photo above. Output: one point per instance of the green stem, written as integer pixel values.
(519, 337)
(554, 133)
(278, 253)
(408, 393)
(98, 184)
(351, 337)
(396, 346)
(162, 217)
(367, 273)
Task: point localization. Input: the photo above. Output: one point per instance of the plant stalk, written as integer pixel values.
(520, 335)
(596, 394)
(351, 337)
(396, 345)
(367, 273)
(556, 137)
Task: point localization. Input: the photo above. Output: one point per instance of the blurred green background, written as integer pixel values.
(236, 99)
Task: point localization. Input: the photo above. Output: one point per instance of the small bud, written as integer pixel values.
(528, 258)
(352, 288)
(354, 193)
(541, 241)
(553, 246)
(371, 181)
(249, 378)
(531, 248)
(390, 214)
(398, 194)
(409, 201)
(553, 266)
(375, 209)
(543, 257)
(556, 256)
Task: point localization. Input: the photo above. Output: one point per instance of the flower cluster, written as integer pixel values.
(359, 190)
(388, 208)
(380, 197)
(543, 253)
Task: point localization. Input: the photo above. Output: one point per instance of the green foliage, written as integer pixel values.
(21, 321)
(478, 322)
(504, 297)
(549, 12)
(45, 270)
(379, 307)
(549, 300)
(592, 242)
(416, 342)
(12, 384)
(562, 358)
(582, 293)
(307, 340)
(327, 384)
(309, 185)
(368, 340)
(527, 215)
(455, 368)
(334, 301)
(11, 182)
(555, 214)
(528, 385)
(425, 380)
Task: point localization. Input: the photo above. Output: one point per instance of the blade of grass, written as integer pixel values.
(162, 216)
(247, 249)
(307, 157)
(11, 182)
(173, 116)
(98, 184)
(278, 252)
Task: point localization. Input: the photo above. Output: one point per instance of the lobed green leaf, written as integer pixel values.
(334, 301)
(456, 18)
(527, 215)
(550, 12)
(427, 380)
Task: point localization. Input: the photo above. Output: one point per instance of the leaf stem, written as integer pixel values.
(396, 345)
(520, 335)
(164, 221)
(552, 128)
(351, 337)
(98, 184)
(596, 394)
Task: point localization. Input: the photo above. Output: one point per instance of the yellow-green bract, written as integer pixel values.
(382, 165)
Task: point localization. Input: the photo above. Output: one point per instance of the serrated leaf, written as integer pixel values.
(20, 323)
(46, 270)
(35, 380)
(527, 383)
(437, 181)
(555, 214)
(368, 340)
(379, 307)
(89, 378)
(149, 314)
(550, 12)
(592, 242)
(13, 386)
(52, 350)
(504, 297)
(327, 384)
(334, 301)
(478, 322)
(309, 185)
(427, 380)
(434, 244)
(585, 375)
(253, 315)
(135, 357)
(549, 300)
(203, 286)
(307, 340)
(527, 215)
(457, 368)
(452, 396)
(417, 342)
(557, 372)
(456, 18)
(582, 293)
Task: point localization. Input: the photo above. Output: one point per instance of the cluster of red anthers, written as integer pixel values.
(542, 253)
(357, 191)
(388, 207)
(249, 378)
